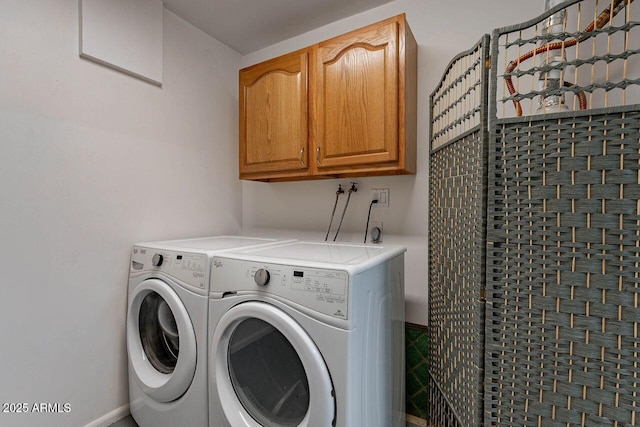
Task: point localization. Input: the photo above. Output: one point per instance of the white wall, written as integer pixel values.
(93, 160)
(442, 29)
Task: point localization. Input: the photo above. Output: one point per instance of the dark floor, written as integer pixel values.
(129, 422)
(125, 422)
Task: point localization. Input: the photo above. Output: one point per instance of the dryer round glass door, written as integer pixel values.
(160, 340)
(267, 367)
(267, 374)
(159, 333)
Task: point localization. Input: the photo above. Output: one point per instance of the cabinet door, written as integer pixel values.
(356, 98)
(273, 118)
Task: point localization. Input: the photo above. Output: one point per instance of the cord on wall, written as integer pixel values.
(366, 229)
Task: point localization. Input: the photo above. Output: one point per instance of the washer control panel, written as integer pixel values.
(326, 291)
(185, 266)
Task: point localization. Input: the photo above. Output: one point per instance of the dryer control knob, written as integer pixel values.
(157, 260)
(262, 277)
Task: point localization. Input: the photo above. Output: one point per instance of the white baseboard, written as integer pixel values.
(123, 411)
(110, 418)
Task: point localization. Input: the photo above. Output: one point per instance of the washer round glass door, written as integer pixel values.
(160, 340)
(271, 366)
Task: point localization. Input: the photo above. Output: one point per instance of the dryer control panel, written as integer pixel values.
(322, 290)
(187, 267)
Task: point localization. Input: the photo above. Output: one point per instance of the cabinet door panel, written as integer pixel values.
(356, 108)
(273, 116)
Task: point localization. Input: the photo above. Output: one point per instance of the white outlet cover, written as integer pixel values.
(382, 194)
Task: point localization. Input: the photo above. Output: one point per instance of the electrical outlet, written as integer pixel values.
(382, 195)
(375, 231)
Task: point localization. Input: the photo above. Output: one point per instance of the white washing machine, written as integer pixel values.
(307, 334)
(167, 328)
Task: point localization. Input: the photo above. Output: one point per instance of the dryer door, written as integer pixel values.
(160, 340)
(268, 372)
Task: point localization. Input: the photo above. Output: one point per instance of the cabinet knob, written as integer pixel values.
(318, 156)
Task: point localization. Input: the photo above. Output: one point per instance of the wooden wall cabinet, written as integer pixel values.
(274, 118)
(341, 108)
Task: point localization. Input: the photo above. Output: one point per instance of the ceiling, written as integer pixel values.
(250, 25)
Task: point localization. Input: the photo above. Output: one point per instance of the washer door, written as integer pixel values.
(161, 341)
(268, 371)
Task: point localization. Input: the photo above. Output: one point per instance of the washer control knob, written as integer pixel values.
(157, 260)
(262, 277)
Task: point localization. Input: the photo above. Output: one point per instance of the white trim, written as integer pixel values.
(110, 418)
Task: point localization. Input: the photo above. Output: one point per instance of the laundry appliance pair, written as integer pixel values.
(236, 331)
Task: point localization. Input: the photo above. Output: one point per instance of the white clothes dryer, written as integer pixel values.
(307, 334)
(167, 328)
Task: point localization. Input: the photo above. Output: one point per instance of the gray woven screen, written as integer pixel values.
(562, 317)
(563, 260)
(457, 199)
(593, 55)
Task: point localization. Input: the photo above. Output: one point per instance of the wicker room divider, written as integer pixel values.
(457, 224)
(559, 342)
